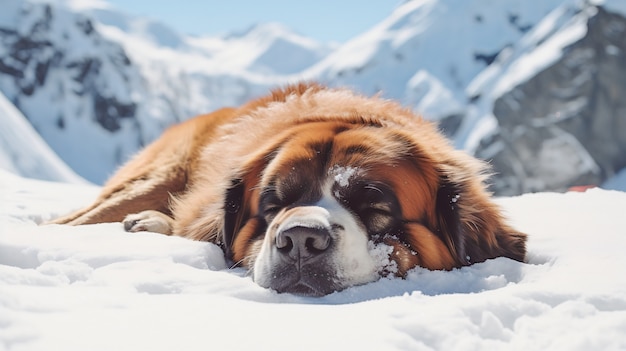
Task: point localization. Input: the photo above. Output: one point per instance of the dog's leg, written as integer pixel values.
(132, 196)
(148, 181)
(148, 221)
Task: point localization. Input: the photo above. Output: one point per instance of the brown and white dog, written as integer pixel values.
(302, 186)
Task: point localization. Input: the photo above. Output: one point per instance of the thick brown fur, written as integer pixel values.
(206, 176)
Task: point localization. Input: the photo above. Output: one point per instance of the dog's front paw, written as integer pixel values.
(148, 221)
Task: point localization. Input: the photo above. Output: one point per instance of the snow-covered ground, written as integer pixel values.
(98, 288)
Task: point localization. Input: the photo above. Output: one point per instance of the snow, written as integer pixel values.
(430, 98)
(530, 62)
(257, 53)
(343, 174)
(96, 287)
(445, 39)
(24, 152)
(381, 253)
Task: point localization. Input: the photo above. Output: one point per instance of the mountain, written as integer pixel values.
(555, 100)
(427, 52)
(86, 74)
(25, 153)
(77, 88)
(98, 84)
(534, 88)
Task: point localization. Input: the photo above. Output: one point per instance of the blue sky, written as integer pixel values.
(323, 20)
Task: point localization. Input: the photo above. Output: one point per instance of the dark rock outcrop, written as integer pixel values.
(565, 126)
(33, 51)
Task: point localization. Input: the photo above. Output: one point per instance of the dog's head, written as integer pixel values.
(326, 203)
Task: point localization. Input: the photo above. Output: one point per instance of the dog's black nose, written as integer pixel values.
(303, 242)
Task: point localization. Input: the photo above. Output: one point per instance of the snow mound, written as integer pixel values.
(98, 288)
(24, 152)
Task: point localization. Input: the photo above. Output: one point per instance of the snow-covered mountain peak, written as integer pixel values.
(533, 52)
(265, 31)
(452, 40)
(268, 44)
(144, 29)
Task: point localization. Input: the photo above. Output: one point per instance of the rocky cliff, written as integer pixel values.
(566, 125)
(76, 87)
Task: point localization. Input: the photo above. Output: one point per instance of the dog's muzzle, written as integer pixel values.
(301, 256)
(314, 251)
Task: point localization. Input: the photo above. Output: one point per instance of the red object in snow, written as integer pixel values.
(581, 188)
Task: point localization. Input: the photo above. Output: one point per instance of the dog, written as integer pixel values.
(313, 190)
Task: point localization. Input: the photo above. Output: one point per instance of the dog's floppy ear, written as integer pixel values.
(471, 225)
(234, 214)
(239, 222)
